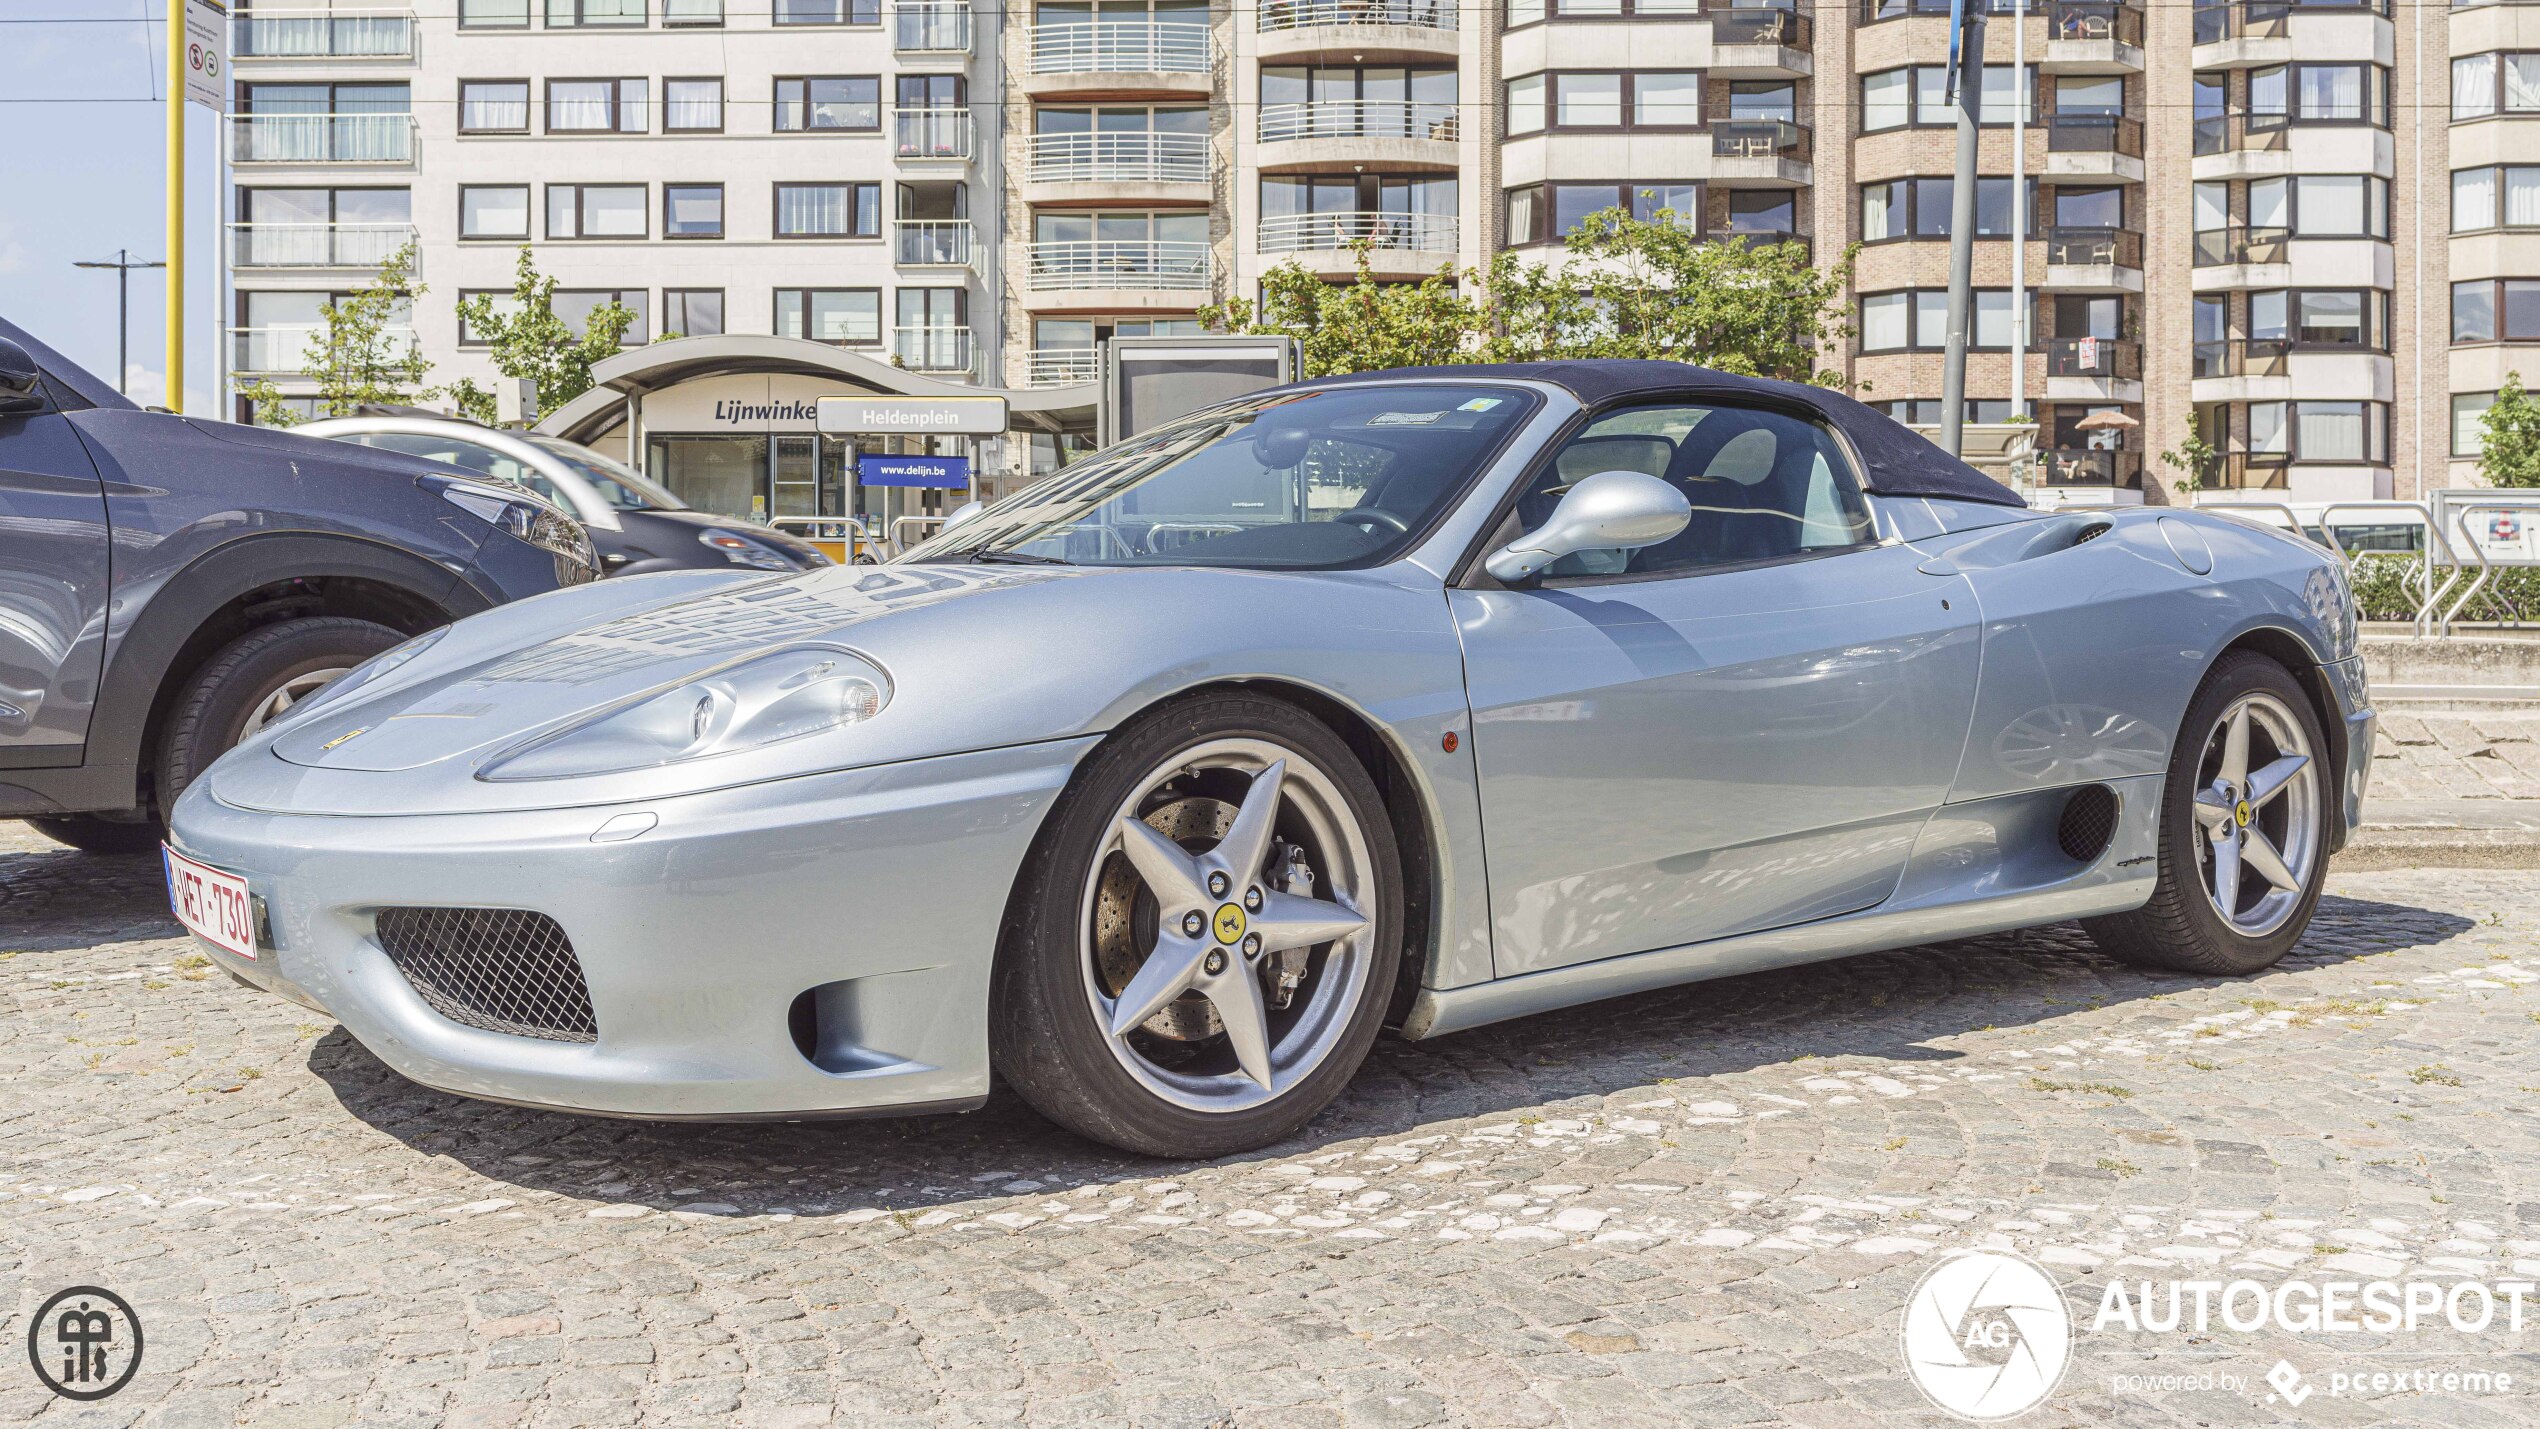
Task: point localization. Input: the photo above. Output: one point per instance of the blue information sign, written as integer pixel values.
(878, 470)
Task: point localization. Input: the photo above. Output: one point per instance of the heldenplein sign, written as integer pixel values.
(913, 416)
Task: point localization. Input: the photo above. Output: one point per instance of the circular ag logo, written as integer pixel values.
(85, 1343)
(1987, 1334)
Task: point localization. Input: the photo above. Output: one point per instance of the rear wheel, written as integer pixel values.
(253, 681)
(1206, 935)
(2244, 830)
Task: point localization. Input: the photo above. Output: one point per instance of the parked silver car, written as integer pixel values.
(1430, 697)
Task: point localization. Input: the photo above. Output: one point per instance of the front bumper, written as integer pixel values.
(884, 888)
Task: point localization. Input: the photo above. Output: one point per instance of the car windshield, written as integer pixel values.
(619, 486)
(1296, 481)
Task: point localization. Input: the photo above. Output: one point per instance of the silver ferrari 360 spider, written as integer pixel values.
(1422, 698)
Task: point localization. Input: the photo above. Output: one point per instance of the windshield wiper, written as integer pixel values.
(981, 555)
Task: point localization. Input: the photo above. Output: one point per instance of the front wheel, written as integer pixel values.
(2243, 833)
(253, 681)
(1206, 936)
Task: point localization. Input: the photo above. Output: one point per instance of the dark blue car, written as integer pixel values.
(169, 585)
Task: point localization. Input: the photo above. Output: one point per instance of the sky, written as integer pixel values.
(83, 173)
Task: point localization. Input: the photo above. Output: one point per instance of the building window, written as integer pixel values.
(574, 306)
(692, 12)
(836, 103)
(691, 312)
(2352, 433)
(1609, 99)
(2321, 94)
(692, 210)
(1549, 213)
(597, 106)
(2495, 83)
(1343, 101)
(494, 211)
(595, 210)
(493, 14)
(692, 106)
(828, 12)
(1529, 12)
(1917, 319)
(2505, 197)
(2496, 310)
(1917, 96)
(2469, 422)
(578, 14)
(2314, 318)
(829, 210)
(847, 317)
(2322, 205)
(506, 305)
(1923, 208)
(1925, 411)
(493, 106)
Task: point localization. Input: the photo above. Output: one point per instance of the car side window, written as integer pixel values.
(1763, 485)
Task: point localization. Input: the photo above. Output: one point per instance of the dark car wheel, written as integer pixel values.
(95, 833)
(2244, 830)
(1206, 933)
(251, 682)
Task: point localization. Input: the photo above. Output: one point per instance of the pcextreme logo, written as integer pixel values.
(1987, 1335)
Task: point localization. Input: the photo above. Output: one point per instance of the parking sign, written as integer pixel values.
(207, 54)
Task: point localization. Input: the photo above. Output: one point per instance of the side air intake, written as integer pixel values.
(2089, 821)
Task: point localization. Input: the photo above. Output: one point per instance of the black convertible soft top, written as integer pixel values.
(1895, 460)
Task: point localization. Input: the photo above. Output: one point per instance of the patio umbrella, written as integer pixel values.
(2107, 421)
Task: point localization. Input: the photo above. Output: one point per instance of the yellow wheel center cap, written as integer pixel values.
(2243, 813)
(1230, 923)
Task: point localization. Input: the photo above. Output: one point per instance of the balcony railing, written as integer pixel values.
(1357, 119)
(931, 349)
(931, 27)
(1142, 157)
(1873, 11)
(2240, 243)
(2093, 247)
(2241, 129)
(323, 139)
(330, 34)
(2089, 466)
(2093, 134)
(2099, 20)
(316, 245)
(1306, 232)
(2247, 471)
(1113, 46)
(934, 242)
(1760, 25)
(2108, 358)
(2218, 20)
(1754, 237)
(1061, 366)
(1759, 139)
(1106, 263)
(932, 133)
(285, 348)
(2243, 357)
(1305, 14)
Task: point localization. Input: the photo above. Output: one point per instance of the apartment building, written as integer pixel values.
(2298, 226)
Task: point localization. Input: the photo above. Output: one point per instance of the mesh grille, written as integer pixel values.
(2089, 821)
(499, 969)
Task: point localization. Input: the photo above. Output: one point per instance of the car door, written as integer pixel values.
(53, 586)
(1743, 727)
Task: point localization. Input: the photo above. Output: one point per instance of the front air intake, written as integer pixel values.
(497, 969)
(2089, 821)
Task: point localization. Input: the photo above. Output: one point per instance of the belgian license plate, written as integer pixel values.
(211, 904)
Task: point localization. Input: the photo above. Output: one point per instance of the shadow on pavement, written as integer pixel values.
(1884, 1005)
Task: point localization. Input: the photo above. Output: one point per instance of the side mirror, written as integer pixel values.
(1610, 511)
(964, 512)
(21, 385)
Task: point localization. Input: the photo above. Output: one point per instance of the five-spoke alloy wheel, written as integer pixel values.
(1208, 934)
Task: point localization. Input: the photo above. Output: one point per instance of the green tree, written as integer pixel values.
(362, 351)
(2509, 455)
(1359, 326)
(2194, 458)
(529, 340)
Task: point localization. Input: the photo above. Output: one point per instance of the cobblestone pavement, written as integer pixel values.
(2455, 755)
(1702, 1207)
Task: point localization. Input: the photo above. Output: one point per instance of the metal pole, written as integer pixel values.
(123, 266)
(2019, 207)
(176, 205)
(1962, 235)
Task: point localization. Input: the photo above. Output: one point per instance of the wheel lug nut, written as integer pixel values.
(1194, 924)
(1217, 885)
(1252, 945)
(1216, 962)
(1252, 899)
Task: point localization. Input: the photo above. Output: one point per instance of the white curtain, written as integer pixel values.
(579, 104)
(494, 106)
(2474, 199)
(692, 104)
(2522, 83)
(1667, 100)
(2522, 197)
(2332, 206)
(1525, 104)
(1931, 317)
(811, 208)
(2332, 92)
(1883, 322)
(1883, 100)
(1882, 211)
(2331, 431)
(1993, 318)
(2473, 86)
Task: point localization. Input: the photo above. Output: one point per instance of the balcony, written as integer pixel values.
(931, 349)
(2240, 245)
(327, 35)
(1760, 42)
(1118, 47)
(322, 139)
(1135, 266)
(2090, 466)
(1136, 158)
(1061, 366)
(1374, 31)
(1358, 119)
(283, 351)
(2247, 471)
(931, 27)
(2093, 260)
(316, 245)
(2240, 131)
(2093, 146)
(931, 133)
(1282, 15)
(2222, 21)
(2219, 358)
(1428, 233)
(2092, 37)
(2093, 369)
(933, 242)
(1766, 151)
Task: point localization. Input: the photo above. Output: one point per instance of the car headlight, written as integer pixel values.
(369, 672)
(740, 550)
(749, 704)
(527, 516)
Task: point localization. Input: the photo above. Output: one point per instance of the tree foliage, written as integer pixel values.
(529, 340)
(362, 352)
(1623, 287)
(2194, 458)
(2509, 455)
